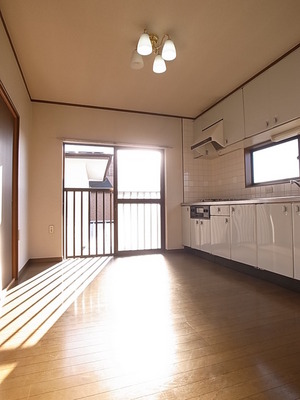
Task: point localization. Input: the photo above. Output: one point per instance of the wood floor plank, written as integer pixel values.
(156, 327)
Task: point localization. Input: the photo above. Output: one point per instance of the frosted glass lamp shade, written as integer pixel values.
(169, 51)
(144, 47)
(159, 65)
(137, 61)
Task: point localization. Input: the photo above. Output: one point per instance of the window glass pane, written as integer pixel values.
(80, 172)
(276, 162)
(88, 166)
(139, 174)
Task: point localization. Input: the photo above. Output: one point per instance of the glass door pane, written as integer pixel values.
(139, 199)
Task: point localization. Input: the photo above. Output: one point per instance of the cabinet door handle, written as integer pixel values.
(233, 209)
(219, 209)
(226, 220)
(297, 209)
(275, 120)
(201, 222)
(267, 124)
(197, 222)
(285, 209)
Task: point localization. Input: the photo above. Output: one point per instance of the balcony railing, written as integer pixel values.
(139, 220)
(138, 195)
(88, 222)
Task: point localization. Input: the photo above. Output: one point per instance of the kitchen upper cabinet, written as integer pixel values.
(256, 105)
(285, 88)
(296, 237)
(243, 234)
(207, 150)
(274, 238)
(185, 223)
(211, 116)
(220, 231)
(231, 111)
(273, 97)
(233, 117)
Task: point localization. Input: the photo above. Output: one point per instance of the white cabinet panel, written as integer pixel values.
(186, 230)
(205, 244)
(231, 111)
(296, 233)
(211, 116)
(243, 234)
(195, 234)
(220, 235)
(285, 89)
(219, 210)
(256, 105)
(274, 238)
(233, 117)
(200, 234)
(273, 97)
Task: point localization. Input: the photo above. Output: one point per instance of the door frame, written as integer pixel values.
(15, 178)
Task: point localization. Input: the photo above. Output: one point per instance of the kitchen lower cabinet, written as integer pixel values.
(186, 226)
(243, 234)
(200, 234)
(296, 237)
(274, 238)
(220, 231)
(205, 244)
(195, 233)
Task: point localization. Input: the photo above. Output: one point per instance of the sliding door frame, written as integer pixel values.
(161, 201)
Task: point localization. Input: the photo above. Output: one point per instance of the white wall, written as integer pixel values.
(13, 83)
(54, 123)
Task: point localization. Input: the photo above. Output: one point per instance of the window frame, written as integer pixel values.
(248, 157)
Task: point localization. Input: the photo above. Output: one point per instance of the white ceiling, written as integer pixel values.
(79, 51)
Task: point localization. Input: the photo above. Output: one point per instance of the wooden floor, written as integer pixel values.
(149, 327)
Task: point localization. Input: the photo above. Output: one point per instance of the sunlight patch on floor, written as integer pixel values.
(142, 330)
(5, 370)
(30, 309)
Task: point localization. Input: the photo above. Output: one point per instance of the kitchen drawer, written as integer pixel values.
(219, 210)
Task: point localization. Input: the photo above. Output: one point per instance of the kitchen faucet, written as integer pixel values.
(294, 181)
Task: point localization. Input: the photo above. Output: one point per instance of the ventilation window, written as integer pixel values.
(272, 163)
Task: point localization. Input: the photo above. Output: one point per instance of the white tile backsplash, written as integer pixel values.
(222, 177)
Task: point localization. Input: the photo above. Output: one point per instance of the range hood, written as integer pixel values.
(214, 135)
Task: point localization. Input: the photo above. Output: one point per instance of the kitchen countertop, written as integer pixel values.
(260, 200)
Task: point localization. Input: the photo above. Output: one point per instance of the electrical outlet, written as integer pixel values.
(51, 229)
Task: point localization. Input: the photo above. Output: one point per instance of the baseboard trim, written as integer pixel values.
(170, 251)
(284, 281)
(44, 260)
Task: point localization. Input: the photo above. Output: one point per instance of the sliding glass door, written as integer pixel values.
(140, 200)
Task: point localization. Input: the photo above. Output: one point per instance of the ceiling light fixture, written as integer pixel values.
(149, 43)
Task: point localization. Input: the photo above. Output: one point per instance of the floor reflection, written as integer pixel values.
(142, 330)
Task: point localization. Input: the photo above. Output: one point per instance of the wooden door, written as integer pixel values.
(8, 189)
